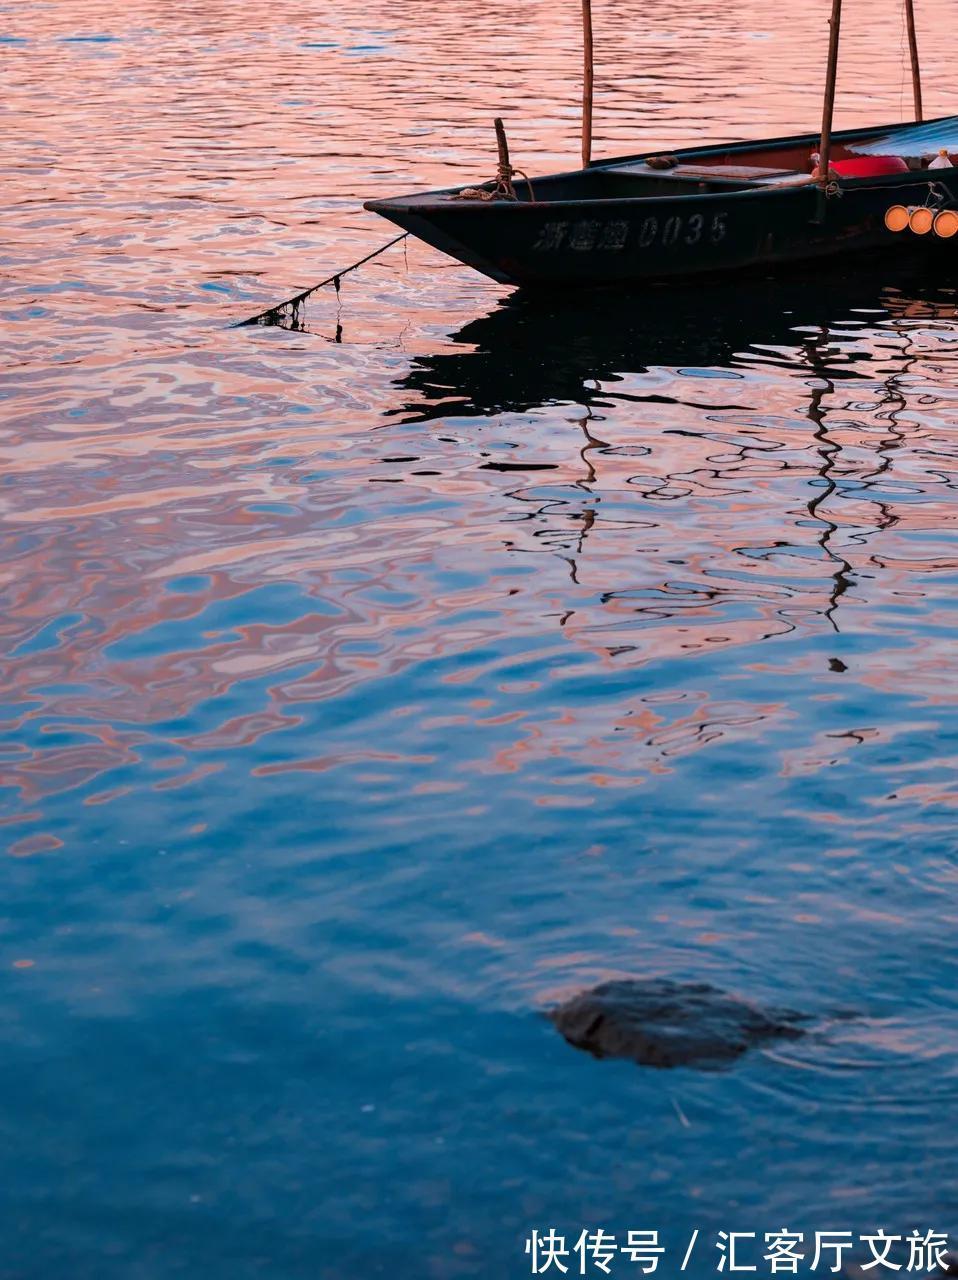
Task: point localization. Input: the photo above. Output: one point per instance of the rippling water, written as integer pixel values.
(367, 689)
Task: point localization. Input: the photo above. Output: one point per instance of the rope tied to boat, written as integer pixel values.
(938, 197)
(289, 314)
(502, 186)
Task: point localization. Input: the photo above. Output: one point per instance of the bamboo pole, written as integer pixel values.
(505, 170)
(502, 145)
(913, 51)
(587, 82)
(828, 110)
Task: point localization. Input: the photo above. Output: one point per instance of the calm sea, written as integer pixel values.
(366, 690)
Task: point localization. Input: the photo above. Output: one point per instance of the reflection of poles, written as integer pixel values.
(829, 451)
(588, 516)
(587, 82)
(913, 53)
(894, 398)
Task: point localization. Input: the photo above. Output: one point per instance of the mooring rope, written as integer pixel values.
(271, 314)
(502, 186)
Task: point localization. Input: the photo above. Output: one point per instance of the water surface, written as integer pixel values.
(367, 689)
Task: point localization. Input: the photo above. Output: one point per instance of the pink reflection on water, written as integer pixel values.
(680, 516)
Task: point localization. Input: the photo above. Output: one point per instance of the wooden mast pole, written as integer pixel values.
(828, 111)
(913, 51)
(587, 82)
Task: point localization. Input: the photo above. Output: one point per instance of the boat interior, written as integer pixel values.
(713, 170)
(890, 152)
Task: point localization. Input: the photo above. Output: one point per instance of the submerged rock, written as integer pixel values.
(661, 1023)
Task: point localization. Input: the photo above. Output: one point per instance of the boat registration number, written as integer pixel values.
(587, 234)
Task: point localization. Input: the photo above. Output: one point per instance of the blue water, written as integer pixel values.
(362, 699)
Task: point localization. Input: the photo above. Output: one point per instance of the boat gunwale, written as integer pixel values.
(420, 202)
(757, 144)
(429, 200)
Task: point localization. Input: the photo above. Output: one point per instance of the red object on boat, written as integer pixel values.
(869, 166)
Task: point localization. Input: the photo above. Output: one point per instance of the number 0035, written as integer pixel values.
(677, 230)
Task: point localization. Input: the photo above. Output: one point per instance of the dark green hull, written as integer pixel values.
(587, 229)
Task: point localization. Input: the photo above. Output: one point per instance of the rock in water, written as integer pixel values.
(661, 1023)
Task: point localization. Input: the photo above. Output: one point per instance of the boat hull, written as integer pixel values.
(619, 242)
(628, 240)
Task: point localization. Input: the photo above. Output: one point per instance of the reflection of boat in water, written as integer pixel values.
(822, 412)
(533, 350)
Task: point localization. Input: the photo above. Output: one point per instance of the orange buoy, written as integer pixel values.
(921, 220)
(896, 217)
(946, 224)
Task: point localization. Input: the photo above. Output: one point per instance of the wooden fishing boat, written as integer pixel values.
(701, 210)
(718, 208)
(729, 207)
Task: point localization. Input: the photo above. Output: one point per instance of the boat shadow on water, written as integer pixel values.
(860, 334)
(537, 350)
